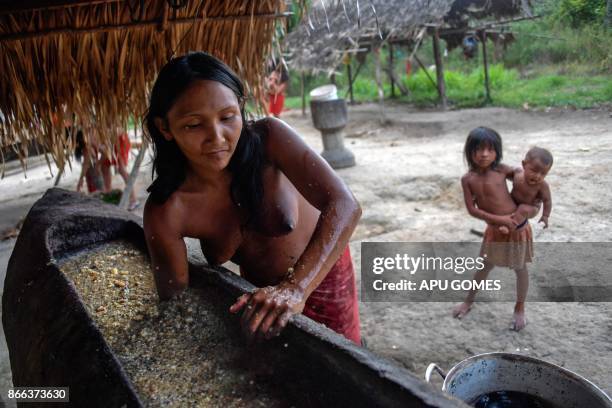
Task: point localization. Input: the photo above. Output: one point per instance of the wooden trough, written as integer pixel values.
(57, 337)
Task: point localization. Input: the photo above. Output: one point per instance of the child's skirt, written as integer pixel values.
(513, 250)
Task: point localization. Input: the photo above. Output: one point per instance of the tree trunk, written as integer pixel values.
(129, 186)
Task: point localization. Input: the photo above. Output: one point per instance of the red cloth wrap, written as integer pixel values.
(334, 302)
(121, 149)
(277, 102)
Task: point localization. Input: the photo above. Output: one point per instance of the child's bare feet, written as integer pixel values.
(503, 229)
(461, 309)
(519, 321)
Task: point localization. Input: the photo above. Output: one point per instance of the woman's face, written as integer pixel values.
(205, 123)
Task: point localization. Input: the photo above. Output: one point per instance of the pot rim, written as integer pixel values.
(521, 357)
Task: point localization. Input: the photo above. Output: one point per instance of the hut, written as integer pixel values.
(94, 61)
(331, 31)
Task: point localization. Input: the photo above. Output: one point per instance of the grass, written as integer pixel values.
(508, 88)
(549, 64)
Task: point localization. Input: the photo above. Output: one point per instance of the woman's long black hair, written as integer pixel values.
(169, 163)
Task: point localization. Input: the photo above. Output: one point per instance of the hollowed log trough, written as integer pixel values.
(53, 339)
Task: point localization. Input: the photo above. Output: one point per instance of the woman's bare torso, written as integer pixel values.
(267, 247)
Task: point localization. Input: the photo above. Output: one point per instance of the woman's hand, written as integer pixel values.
(267, 310)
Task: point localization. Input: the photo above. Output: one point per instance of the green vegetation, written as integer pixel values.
(507, 89)
(562, 59)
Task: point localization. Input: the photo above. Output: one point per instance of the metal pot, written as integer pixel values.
(486, 373)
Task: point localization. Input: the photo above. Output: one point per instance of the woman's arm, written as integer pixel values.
(270, 308)
(480, 214)
(322, 188)
(166, 248)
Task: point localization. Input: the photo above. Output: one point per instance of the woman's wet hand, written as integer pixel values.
(266, 311)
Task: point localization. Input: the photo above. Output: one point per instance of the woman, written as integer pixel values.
(253, 193)
(87, 152)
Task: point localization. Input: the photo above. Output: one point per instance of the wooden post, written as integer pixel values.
(303, 92)
(61, 171)
(483, 38)
(425, 70)
(354, 77)
(349, 72)
(439, 69)
(391, 70)
(129, 186)
(379, 85)
(59, 176)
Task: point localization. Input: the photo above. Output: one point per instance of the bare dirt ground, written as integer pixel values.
(407, 180)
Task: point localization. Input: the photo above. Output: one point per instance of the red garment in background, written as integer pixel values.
(121, 150)
(334, 302)
(277, 102)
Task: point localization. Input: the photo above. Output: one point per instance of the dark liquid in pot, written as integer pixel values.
(510, 399)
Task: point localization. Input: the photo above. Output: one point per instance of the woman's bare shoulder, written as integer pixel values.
(278, 139)
(164, 215)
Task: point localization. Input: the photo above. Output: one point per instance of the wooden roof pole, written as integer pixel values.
(349, 72)
(391, 70)
(483, 38)
(33, 5)
(425, 70)
(353, 77)
(439, 69)
(379, 86)
(127, 26)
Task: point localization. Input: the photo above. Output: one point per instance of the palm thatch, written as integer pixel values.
(329, 29)
(96, 60)
(333, 27)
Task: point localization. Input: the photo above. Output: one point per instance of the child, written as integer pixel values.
(529, 187)
(487, 198)
(276, 86)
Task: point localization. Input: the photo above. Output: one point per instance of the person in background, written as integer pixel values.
(276, 84)
(87, 152)
(487, 198)
(118, 158)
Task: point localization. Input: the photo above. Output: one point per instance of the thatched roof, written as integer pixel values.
(318, 44)
(98, 59)
(333, 27)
